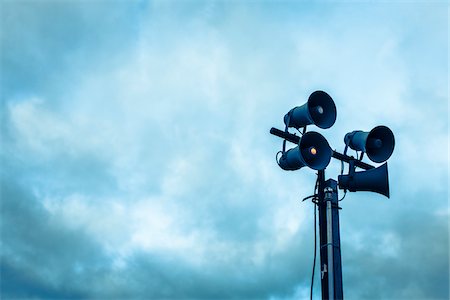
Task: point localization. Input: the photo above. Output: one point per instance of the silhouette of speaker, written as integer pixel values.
(378, 144)
(320, 110)
(313, 151)
(373, 180)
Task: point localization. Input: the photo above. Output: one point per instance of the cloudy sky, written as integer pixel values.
(136, 159)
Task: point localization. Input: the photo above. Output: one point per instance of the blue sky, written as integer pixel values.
(136, 159)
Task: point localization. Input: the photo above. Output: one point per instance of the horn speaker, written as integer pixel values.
(319, 110)
(313, 151)
(378, 144)
(374, 180)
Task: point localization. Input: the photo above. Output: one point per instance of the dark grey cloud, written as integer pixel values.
(48, 44)
(40, 258)
(404, 258)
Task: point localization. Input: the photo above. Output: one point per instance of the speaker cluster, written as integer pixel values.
(313, 150)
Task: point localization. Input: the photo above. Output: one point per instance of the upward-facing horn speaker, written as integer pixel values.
(378, 144)
(373, 180)
(313, 151)
(319, 110)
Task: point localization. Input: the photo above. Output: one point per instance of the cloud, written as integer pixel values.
(138, 152)
(40, 255)
(56, 43)
(412, 256)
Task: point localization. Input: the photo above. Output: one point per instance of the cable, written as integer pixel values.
(316, 188)
(345, 194)
(315, 250)
(286, 129)
(342, 162)
(361, 156)
(276, 157)
(309, 197)
(302, 132)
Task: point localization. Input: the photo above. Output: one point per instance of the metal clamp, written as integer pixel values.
(328, 193)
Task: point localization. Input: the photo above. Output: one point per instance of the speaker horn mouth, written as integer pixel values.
(322, 109)
(380, 144)
(315, 150)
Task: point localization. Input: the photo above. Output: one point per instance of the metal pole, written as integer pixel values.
(330, 244)
(337, 266)
(323, 235)
(328, 195)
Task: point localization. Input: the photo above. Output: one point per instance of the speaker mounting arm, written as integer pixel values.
(342, 157)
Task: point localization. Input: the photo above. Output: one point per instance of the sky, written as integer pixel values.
(136, 159)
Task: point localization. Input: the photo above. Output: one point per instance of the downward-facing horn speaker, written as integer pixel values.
(313, 151)
(319, 110)
(378, 144)
(373, 180)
